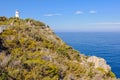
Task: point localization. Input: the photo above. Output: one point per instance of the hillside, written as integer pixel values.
(30, 50)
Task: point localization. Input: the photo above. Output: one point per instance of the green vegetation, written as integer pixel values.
(101, 69)
(111, 74)
(30, 50)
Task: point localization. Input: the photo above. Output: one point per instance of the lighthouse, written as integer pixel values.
(17, 14)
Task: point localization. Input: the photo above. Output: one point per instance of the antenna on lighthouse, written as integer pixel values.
(17, 14)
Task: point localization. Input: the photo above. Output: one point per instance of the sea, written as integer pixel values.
(101, 44)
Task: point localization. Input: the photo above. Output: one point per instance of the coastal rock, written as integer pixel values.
(99, 63)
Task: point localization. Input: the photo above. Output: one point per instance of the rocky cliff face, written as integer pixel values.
(30, 50)
(99, 63)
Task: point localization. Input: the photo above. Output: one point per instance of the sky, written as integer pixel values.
(68, 15)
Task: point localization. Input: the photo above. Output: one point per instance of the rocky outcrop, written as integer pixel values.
(3, 27)
(99, 63)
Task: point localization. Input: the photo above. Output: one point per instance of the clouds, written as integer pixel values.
(79, 12)
(88, 12)
(92, 12)
(55, 14)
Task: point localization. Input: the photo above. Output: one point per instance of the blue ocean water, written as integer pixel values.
(103, 44)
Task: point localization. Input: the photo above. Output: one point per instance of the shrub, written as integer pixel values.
(111, 74)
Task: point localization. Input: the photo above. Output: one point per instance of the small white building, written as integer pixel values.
(17, 14)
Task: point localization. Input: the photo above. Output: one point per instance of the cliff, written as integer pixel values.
(29, 50)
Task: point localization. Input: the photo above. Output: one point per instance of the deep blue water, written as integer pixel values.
(105, 45)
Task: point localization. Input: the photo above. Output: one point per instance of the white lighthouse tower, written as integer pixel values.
(17, 14)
